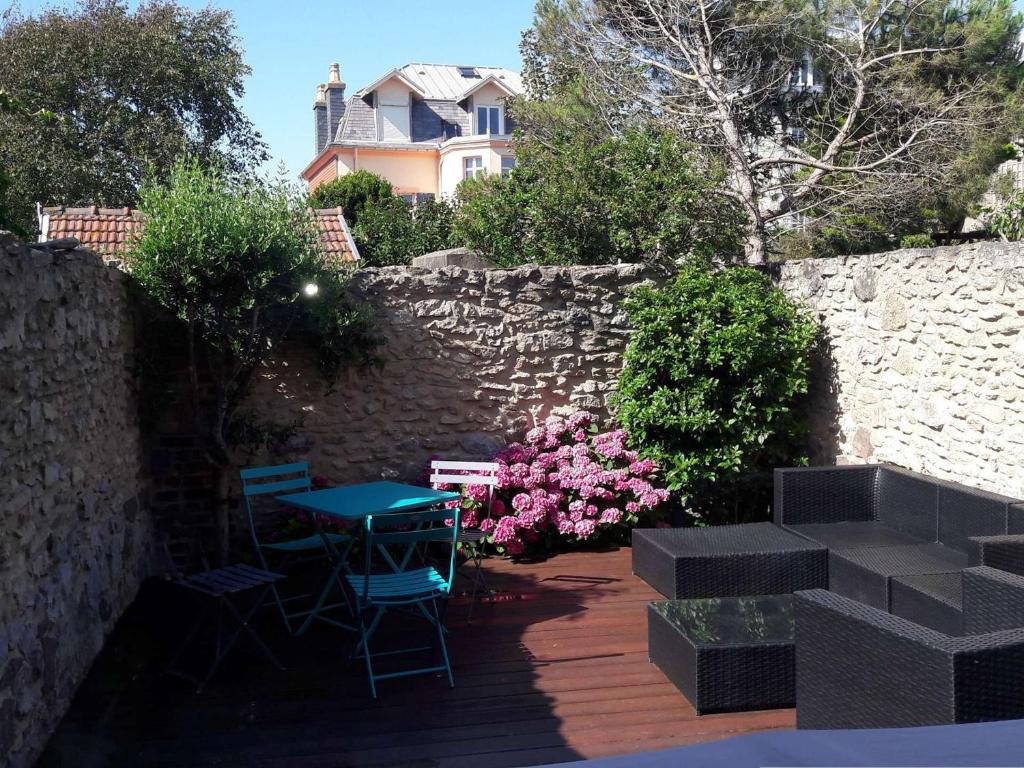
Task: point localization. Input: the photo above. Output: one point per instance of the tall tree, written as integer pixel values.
(130, 88)
(822, 107)
(238, 263)
(11, 106)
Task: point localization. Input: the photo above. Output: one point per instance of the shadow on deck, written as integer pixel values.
(554, 668)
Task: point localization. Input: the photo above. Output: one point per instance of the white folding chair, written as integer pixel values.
(463, 473)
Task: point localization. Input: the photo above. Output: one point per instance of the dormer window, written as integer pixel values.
(802, 75)
(489, 120)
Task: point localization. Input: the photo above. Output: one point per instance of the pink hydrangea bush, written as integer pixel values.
(568, 481)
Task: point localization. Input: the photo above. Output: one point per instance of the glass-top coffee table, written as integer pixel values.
(726, 654)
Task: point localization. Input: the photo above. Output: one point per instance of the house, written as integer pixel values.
(106, 230)
(423, 127)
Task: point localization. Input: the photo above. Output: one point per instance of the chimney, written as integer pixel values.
(335, 100)
(320, 119)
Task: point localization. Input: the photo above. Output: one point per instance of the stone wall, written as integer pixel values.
(469, 359)
(927, 365)
(74, 539)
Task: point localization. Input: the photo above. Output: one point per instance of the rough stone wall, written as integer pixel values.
(469, 358)
(927, 363)
(74, 539)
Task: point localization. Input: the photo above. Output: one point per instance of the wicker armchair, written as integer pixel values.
(859, 667)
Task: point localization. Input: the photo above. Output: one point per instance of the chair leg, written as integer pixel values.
(478, 581)
(282, 567)
(364, 642)
(243, 622)
(223, 646)
(439, 626)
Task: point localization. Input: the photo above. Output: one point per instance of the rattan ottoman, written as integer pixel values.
(726, 654)
(728, 561)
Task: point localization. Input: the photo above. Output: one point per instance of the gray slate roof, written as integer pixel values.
(434, 118)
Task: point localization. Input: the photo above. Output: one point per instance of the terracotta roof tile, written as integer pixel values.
(107, 230)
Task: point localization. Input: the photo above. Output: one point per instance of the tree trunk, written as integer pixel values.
(754, 248)
(222, 516)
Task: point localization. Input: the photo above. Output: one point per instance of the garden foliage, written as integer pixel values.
(577, 200)
(352, 192)
(134, 86)
(238, 264)
(567, 483)
(391, 232)
(714, 372)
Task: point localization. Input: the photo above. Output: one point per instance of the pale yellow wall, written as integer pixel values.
(407, 171)
(453, 165)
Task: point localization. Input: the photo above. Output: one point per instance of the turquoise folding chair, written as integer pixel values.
(275, 481)
(404, 586)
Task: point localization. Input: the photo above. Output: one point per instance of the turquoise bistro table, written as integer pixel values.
(353, 503)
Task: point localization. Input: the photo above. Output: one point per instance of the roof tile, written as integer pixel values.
(106, 231)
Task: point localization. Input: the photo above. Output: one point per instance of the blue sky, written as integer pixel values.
(290, 44)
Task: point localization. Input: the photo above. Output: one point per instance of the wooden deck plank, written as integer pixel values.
(553, 669)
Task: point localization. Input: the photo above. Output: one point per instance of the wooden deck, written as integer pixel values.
(554, 669)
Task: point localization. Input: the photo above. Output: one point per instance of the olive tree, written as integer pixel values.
(238, 265)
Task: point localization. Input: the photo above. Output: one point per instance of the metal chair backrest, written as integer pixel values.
(410, 529)
(463, 473)
(272, 481)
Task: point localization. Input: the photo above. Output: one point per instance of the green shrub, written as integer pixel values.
(391, 232)
(923, 240)
(1007, 218)
(352, 193)
(714, 369)
(639, 196)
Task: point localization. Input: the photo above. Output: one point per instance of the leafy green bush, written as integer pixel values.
(714, 369)
(923, 240)
(1007, 218)
(391, 232)
(630, 198)
(352, 193)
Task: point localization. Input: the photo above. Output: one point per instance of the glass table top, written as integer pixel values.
(731, 620)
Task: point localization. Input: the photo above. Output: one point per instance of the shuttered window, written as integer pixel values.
(394, 122)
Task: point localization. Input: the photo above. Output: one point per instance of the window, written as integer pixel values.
(394, 122)
(474, 166)
(507, 164)
(488, 120)
(469, 72)
(802, 75)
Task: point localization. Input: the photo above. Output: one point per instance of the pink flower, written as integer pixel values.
(487, 525)
(585, 528)
(632, 507)
(642, 467)
(611, 515)
(522, 502)
(580, 419)
(505, 530)
(476, 492)
(536, 436)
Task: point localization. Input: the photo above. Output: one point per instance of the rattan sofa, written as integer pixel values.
(883, 524)
(859, 667)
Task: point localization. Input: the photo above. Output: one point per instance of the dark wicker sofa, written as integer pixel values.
(859, 667)
(884, 526)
